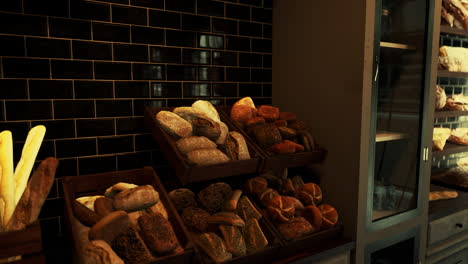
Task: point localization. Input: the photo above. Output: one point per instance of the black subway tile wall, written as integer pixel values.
(86, 69)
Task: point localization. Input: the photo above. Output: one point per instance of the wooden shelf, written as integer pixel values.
(452, 30)
(382, 136)
(445, 73)
(442, 114)
(441, 208)
(392, 45)
(450, 149)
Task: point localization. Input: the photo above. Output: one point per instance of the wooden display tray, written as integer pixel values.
(26, 243)
(277, 161)
(267, 255)
(96, 184)
(191, 173)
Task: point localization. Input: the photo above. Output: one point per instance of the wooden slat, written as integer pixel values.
(452, 30)
(383, 136)
(396, 46)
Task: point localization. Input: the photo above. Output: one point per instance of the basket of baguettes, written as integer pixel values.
(200, 144)
(282, 139)
(123, 217)
(224, 224)
(22, 197)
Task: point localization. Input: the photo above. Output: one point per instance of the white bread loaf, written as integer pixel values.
(208, 109)
(7, 180)
(453, 59)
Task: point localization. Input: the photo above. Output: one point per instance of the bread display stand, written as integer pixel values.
(96, 184)
(275, 161)
(26, 243)
(188, 173)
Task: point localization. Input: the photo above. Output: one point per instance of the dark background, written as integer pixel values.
(85, 69)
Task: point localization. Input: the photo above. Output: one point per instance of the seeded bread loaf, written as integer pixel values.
(174, 124)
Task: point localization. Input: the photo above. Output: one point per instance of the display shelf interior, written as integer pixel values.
(442, 114)
(392, 45)
(450, 149)
(450, 74)
(451, 30)
(382, 136)
(442, 208)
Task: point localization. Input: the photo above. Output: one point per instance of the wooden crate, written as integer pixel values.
(190, 173)
(96, 184)
(26, 243)
(274, 161)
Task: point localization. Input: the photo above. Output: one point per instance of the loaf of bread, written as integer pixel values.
(118, 187)
(270, 113)
(313, 214)
(287, 133)
(86, 216)
(310, 194)
(158, 234)
(439, 137)
(137, 198)
(226, 218)
(236, 147)
(208, 109)
(281, 210)
(224, 132)
(258, 120)
(206, 127)
(189, 113)
(254, 237)
(196, 218)
(231, 204)
(213, 246)
(99, 252)
(256, 186)
(247, 210)
(204, 157)
(283, 148)
(130, 247)
(187, 144)
(38, 188)
(213, 197)
(295, 228)
(182, 198)
(241, 113)
(453, 59)
(307, 140)
(281, 123)
(441, 98)
(174, 124)
(109, 227)
(267, 135)
(329, 216)
(7, 179)
(234, 240)
(103, 206)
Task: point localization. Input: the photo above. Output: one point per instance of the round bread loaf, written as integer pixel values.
(295, 228)
(310, 194)
(267, 195)
(213, 197)
(195, 217)
(187, 144)
(206, 127)
(270, 113)
(313, 215)
(174, 124)
(182, 198)
(256, 186)
(281, 210)
(137, 198)
(241, 113)
(329, 214)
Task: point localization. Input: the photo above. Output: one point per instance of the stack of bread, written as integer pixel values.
(201, 136)
(455, 13)
(275, 131)
(454, 59)
(223, 222)
(296, 207)
(128, 224)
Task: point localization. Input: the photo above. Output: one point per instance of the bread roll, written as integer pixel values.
(282, 148)
(288, 188)
(246, 101)
(103, 206)
(241, 113)
(255, 121)
(213, 246)
(231, 204)
(206, 127)
(135, 199)
(267, 195)
(174, 124)
(314, 216)
(182, 198)
(28, 157)
(270, 113)
(280, 210)
(84, 215)
(236, 147)
(196, 218)
(204, 157)
(267, 135)
(7, 179)
(310, 194)
(281, 123)
(295, 228)
(189, 113)
(207, 108)
(256, 185)
(224, 132)
(187, 144)
(213, 197)
(329, 214)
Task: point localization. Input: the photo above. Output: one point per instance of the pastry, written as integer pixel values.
(103, 206)
(256, 186)
(84, 215)
(234, 240)
(187, 144)
(224, 132)
(295, 228)
(329, 214)
(270, 113)
(267, 195)
(313, 214)
(130, 247)
(253, 236)
(231, 204)
(236, 147)
(207, 108)
(287, 188)
(109, 226)
(310, 194)
(205, 157)
(241, 113)
(297, 125)
(267, 135)
(158, 234)
(207, 128)
(247, 210)
(195, 217)
(38, 188)
(281, 123)
(182, 198)
(88, 201)
(7, 179)
(174, 124)
(226, 218)
(137, 198)
(287, 116)
(213, 197)
(439, 137)
(118, 187)
(99, 252)
(213, 246)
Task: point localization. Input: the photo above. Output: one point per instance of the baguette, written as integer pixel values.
(28, 157)
(7, 180)
(30, 204)
(439, 195)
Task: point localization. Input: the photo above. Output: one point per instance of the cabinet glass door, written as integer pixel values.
(397, 105)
